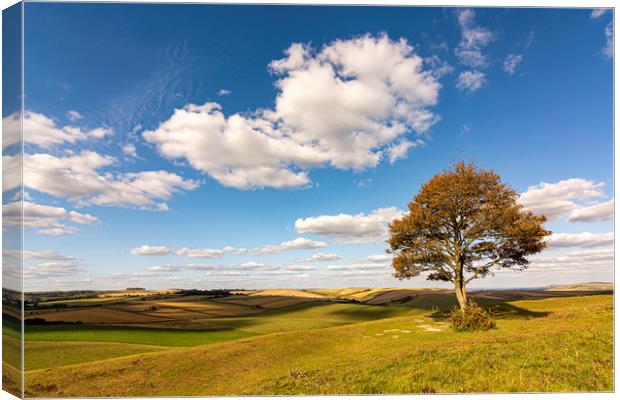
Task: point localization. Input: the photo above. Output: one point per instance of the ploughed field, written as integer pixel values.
(323, 341)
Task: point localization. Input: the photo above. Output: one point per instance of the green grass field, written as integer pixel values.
(554, 344)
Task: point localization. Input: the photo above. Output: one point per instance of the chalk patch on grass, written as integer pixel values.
(430, 328)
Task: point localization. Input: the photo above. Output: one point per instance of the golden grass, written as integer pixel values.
(560, 344)
(11, 379)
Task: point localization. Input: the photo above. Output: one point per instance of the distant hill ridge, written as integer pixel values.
(586, 286)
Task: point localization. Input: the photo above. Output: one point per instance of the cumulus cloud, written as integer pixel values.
(597, 212)
(570, 198)
(343, 106)
(584, 239)
(146, 250)
(48, 219)
(359, 228)
(319, 257)
(474, 39)
(77, 178)
(299, 243)
(511, 61)
(471, 81)
(43, 131)
(398, 151)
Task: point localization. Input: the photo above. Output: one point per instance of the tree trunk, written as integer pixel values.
(459, 287)
(461, 295)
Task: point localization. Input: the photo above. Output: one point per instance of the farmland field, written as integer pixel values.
(325, 340)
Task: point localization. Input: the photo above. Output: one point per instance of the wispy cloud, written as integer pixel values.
(511, 62)
(474, 40)
(608, 50)
(598, 12)
(471, 81)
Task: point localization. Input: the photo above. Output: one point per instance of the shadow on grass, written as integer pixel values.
(497, 311)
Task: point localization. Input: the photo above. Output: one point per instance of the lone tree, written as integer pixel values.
(463, 224)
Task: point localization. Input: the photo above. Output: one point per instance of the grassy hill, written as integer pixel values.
(559, 343)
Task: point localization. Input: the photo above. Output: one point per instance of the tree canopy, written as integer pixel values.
(462, 225)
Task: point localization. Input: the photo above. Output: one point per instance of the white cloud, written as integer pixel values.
(598, 12)
(47, 218)
(398, 151)
(76, 177)
(252, 264)
(474, 39)
(224, 92)
(569, 198)
(582, 261)
(341, 106)
(36, 255)
(511, 61)
(471, 81)
(58, 230)
(203, 267)
(235, 250)
(438, 66)
(146, 250)
(44, 132)
(378, 258)
(608, 50)
(299, 243)
(135, 129)
(200, 253)
(319, 257)
(299, 268)
(11, 172)
(361, 267)
(130, 150)
(597, 212)
(74, 115)
(359, 228)
(51, 269)
(584, 239)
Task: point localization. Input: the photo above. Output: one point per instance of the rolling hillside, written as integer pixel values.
(324, 344)
(394, 355)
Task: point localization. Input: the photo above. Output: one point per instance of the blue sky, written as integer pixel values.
(327, 144)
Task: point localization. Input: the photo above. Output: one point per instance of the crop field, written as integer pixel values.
(325, 341)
